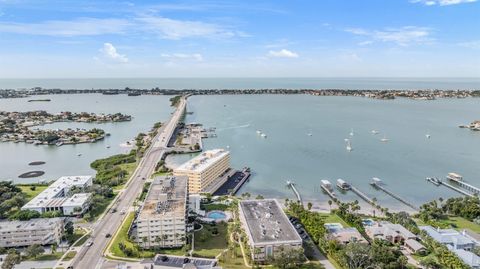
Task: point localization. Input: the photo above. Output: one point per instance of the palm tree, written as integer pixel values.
(144, 240)
(330, 202)
(158, 239)
(309, 206)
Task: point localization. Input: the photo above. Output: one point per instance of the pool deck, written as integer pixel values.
(228, 216)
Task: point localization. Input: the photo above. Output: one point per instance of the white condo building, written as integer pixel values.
(268, 228)
(204, 172)
(35, 231)
(57, 196)
(163, 217)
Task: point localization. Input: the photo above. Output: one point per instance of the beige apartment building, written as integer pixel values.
(162, 219)
(42, 231)
(204, 172)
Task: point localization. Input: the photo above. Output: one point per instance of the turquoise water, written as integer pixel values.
(64, 160)
(247, 83)
(216, 215)
(288, 153)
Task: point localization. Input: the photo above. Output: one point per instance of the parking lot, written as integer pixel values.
(176, 261)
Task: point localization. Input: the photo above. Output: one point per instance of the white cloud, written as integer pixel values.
(110, 53)
(471, 44)
(76, 27)
(350, 57)
(183, 56)
(164, 27)
(283, 53)
(365, 43)
(402, 36)
(178, 29)
(442, 2)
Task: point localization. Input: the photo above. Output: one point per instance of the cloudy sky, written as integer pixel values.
(276, 38)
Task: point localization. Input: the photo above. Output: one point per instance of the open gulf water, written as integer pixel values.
(305, 139)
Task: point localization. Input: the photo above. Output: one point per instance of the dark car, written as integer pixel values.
(164, 258)
(108, 235)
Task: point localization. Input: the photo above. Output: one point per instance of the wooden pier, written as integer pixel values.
(330, 193)
(377, 186)
(439, 182)
(458, 179)
(291, 185)
(362, 195)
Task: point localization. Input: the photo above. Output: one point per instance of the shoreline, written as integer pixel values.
(384, 94)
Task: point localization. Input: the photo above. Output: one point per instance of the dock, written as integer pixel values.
(291, 185)
(376, 185)
(439, 182)
(458, 179)
(362, 195)
(327, 187)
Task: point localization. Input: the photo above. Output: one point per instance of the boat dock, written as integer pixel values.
(362, 195)
(327, 187)
(291, 185)
(458, 179)
(376, 184)
(457, 189)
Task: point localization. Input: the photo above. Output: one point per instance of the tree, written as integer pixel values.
(26, 215)
(69, 229)
(429, 262)
(12, 258)
(286, 258)
(34, 250)
(357, 255)
(259, 197)
(309, 206)
(330, 202)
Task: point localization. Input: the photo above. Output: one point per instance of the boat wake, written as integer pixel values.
(234, 127)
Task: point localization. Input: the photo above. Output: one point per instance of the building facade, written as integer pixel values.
(58, 197)
(40, 231)
(163, 216)
(268, 229)
(204, 171)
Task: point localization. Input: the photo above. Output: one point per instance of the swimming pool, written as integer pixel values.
(216, 215)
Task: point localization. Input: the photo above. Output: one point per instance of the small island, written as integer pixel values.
(18, 127)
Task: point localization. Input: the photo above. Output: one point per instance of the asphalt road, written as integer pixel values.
(92, 257)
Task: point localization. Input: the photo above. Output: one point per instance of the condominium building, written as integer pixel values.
(57, 197)
(163, 216)
(40, 231)
(205, 172)
(268, 228)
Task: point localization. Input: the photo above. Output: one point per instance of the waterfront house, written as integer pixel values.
(335, 231)
(394, 233)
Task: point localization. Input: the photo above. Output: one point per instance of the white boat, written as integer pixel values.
(259, 132)
(351, 132)
(349, 145)
(428, 136)
(309, 134)
(384, 139)
(263, 135)
(375, 132)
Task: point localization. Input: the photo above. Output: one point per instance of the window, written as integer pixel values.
(269, 251)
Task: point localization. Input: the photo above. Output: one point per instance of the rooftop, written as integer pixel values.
(76, 199)
(166, 197)
(57, 190)
(386, 228)
(267, 222)
(33, 224)
(203, 161)
(447, 236)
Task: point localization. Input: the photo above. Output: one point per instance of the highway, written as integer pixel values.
(92, 257)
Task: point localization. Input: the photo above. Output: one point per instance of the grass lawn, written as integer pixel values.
(75, 236)
(161, 174)
(457, 223)
(30, 194)
(211, 207)
(47, 257)
(208, 245)
(82, 241)
(333, 218)
(228, 260)
(69, 255)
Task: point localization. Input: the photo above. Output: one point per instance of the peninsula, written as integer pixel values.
(18, 127)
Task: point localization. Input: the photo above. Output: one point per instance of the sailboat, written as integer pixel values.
(384, 139)
(351, 132)
(349, 145)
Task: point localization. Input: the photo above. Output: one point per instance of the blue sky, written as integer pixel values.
(317, 38)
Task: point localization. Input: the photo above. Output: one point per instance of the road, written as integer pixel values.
(92, 257)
